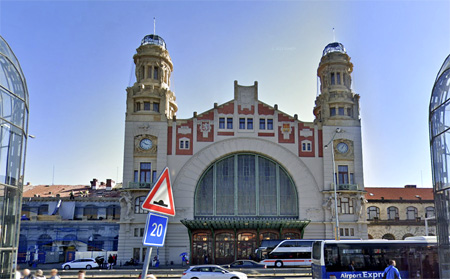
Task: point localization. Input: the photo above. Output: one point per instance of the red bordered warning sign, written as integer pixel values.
(160, 198)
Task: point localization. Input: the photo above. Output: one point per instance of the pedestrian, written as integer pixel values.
(351, 266)
(426, 267)
(110, 261)
(54, 274)
(72, 195)
(391, 272)
(27, 274)
(81, 274)
(18, 274)
(39, 274)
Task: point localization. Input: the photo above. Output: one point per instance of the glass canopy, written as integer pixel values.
(153, 40)
(334, 47)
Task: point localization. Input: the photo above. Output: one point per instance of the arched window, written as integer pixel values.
(392, 213)
(268, 236)
(43, 209)
(90, 211)
(429, 212)
(45, 242)
(373, 212)
(407, 235)
(246, 185)
(411, 213)
(388, 236)
(113, 212)
(138, 205)
(370, 236)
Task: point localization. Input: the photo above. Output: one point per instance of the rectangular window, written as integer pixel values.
(241, 123)
(136, 176)
(341, 111)
(146, 105)
(181, 144)
(138, 106)
(349, 112)
(332, 111)
(332, 79)
(184, 144)
(345, 205)
(249, 123)
(154, 176)
(269, 124)
(136, 232)
(136, 252)
(155, 72)
(149, 72)
(343, 175)
(352, 178)
(156, 107)
(308, 147)
(229, 123)
(146, 170)
(262, 124)
(141, 74)
(338, 78)
(222, 123)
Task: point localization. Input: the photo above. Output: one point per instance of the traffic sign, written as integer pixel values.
(155, 230)
(160, 198)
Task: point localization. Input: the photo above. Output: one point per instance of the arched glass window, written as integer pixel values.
(411, 213)
(392, 213)
(407, 235)
(138, 205)
(268, 236)
(388, 236)
(90, 211)
(113, 212)
(45, 242)
(429, 212)
(373, 212)
(246, 185)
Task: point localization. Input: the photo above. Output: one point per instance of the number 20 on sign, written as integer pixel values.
(155, 230)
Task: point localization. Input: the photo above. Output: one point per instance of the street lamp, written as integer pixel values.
(336, 234)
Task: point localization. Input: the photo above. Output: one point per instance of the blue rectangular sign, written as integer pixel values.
(155, 230)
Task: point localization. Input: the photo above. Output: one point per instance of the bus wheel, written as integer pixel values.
(279, 264)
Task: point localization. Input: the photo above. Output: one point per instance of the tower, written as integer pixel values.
(150, 107)
(337, 113)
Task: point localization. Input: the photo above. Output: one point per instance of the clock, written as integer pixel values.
(342, 147)
(146, 144)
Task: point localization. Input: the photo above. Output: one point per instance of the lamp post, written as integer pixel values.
(336, 234)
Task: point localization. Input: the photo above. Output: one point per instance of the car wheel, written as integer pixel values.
(234, 277)
(88, 267)
(279, 264)
(67, 267)
(194, 278)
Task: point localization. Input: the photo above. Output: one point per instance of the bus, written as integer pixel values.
(266, 247)
(292, 252)
(416, 257)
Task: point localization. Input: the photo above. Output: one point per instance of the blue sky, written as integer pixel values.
(77, 58)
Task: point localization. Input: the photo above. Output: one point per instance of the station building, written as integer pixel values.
(243, 171)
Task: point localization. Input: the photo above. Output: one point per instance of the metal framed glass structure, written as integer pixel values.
(439, 124)
(13, 139)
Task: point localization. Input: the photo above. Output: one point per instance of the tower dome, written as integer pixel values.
(153, 40)
(334, 47)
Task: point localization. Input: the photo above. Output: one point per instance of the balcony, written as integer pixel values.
(137, 185)
(345, 187)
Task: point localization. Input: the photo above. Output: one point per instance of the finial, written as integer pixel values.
(154, 26)
(334, 36)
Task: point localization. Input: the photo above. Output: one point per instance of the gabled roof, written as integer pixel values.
(405, 193)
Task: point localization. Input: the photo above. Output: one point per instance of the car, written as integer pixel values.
(211, 271)
(244, 264)
(81, 263)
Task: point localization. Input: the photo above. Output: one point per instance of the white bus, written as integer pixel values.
(292, 252)
(416, 257)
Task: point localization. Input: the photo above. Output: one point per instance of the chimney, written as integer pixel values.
(94, 184)
(110, 184)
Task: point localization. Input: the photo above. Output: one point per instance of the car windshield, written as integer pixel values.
(218, 269)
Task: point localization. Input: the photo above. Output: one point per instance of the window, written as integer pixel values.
(332, 79)
(43, 209)
(249, 123)
(222, 123)
(392, 213)
(411, 213)
(373, 212)
(332, 111)
(241, 123)
(139, 232)
(229, 123)
(26, 210)
(269, 124)
(146, 105)
(155, 72)
(156, 107)
(90, 211)
(262, 124)
(341, 111)
(137, 106)
(146, 169)
(345, 205)
(349, 112)
(141, 73)
(347, 231)
(154, 174)
(352, 178)
(149, 72)
(136, 176)
(429, 212)
(306, 146)
(138, 205)
(338, 78)
(184, 144)
(343, 175)
(113, 212)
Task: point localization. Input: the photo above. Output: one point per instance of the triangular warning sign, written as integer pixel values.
(160, 198)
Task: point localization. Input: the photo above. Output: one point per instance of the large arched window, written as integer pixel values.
(246, 185)
(411, 213)
(392, 213)
(373, 212)
(429, 212)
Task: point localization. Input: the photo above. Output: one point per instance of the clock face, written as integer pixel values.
(342, 147)
(146, 144)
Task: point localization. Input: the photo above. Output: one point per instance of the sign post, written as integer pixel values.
(159, 201)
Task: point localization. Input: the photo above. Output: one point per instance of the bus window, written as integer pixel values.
(317, 248)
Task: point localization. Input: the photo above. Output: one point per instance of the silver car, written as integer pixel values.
(211, 272)
(81, 263)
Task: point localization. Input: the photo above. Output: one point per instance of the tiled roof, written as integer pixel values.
(45, 191)
(391, 193)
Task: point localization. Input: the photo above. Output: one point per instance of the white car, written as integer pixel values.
(81, 263)
(211, 272)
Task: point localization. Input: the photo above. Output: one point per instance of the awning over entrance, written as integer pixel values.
(216, 224)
